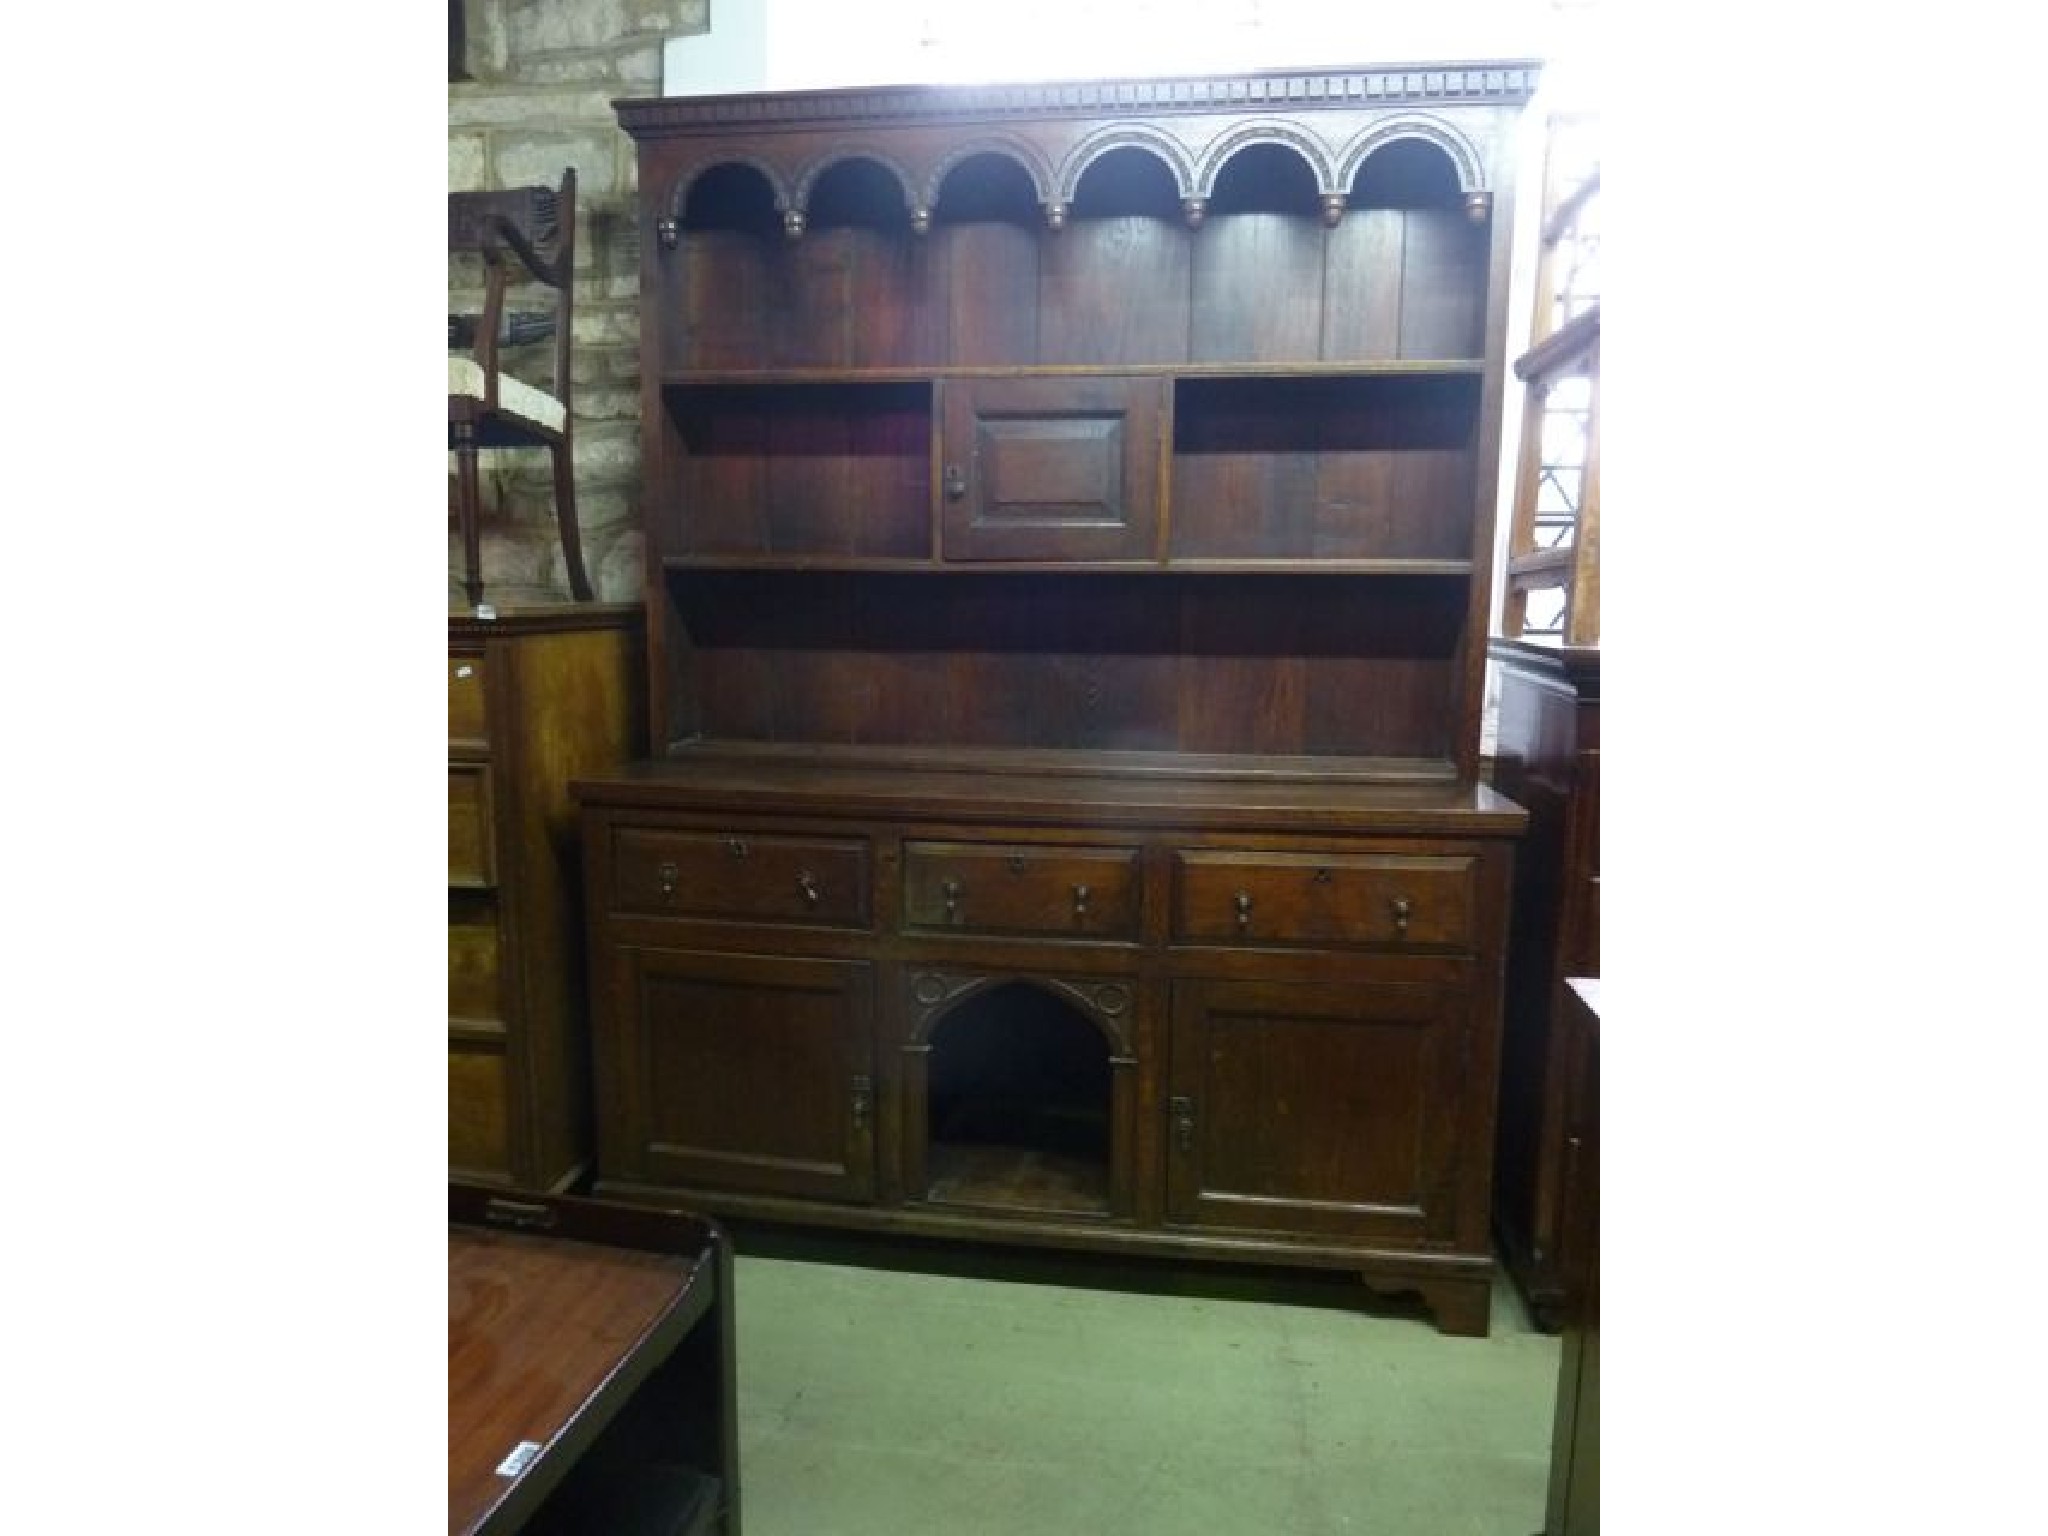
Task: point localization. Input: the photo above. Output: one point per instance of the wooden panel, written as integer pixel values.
(747, 1073)
(992, 292)
(1307, 1107)
(478, 1137)
(741, 875)
(1051, 468)
(1323, 898)
(1115, 290)
(472, 861)
(1021, 888)
(723, 314)
(1443, 285)
(1258, 289)
(1362, 309)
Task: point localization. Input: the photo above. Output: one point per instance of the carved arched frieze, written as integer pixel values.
(935, 995)
(1458, 149)
(807, 181)
(1161, 146)
(1267, 130)
(1037, 170)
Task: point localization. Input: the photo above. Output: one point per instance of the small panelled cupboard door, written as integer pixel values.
(1318, 1108)
(1051, 468)
(744, 1073)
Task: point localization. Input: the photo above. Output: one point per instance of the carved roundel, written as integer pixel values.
(1414, 125)
(1125, 136)
(1266, 131)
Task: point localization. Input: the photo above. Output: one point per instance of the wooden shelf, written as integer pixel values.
(1395, 368)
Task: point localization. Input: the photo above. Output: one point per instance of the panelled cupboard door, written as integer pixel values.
(748, 1073)
(1321, 1108)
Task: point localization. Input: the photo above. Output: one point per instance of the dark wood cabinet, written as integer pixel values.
(534, 699)
(1548, 759)
(1069, 512)
(739, 1071)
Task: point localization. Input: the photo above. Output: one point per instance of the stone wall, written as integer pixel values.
(544, 74)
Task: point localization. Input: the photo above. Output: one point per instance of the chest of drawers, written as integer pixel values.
(533, 699)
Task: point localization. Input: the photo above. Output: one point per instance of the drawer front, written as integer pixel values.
(479, 1137)
(473, 970)
(466, 722)
(471, 862)
(741, 877)
(1323, 898)
(1002, 888)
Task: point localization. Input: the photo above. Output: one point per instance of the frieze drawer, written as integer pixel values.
(1323, 898)
(466, 699)
(741, 877)
(471, 861)
(1089, 893)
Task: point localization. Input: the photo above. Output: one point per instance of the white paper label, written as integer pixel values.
(520, 1459)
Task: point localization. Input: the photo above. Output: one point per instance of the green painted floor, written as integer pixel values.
(892, 1391)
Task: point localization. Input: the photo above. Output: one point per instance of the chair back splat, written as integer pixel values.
(526, 238)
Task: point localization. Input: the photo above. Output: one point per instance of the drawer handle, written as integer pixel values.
(807, 886)
(950, 889)
(665, 872)
(1081, 894)
(1401, 911)
(1243, 902)
(956, 483)
(1183, 1112)
(736, 846)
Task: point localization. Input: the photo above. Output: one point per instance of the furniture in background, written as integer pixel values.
(1548, 752)
(1573, 1506)
(526, 240)
(533, 700)
(1070, 516)
(591, 1383)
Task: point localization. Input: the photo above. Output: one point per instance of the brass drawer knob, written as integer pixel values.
(1243, 902)
(1401, 911)
(665, 874)
(952, 892)
(1081, 894)
(807, 887)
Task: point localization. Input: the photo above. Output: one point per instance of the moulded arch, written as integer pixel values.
(1160, 146)
(1106, 1005)
(1265, 131)
(844, 155)
(687, 183)
(1433, 131)
(1027, 159)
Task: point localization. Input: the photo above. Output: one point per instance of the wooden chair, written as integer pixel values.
(513, 231)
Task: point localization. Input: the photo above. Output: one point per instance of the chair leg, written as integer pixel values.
(565, 518)
(467, 512)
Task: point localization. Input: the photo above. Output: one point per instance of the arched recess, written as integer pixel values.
(1161, 147)
(719, 240)
(852, 186)
(1453, 145)
(1019, 1093)
(1264, 131)
(1414, 246)
(941, 186)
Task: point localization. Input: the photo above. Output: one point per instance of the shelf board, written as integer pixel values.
(854, 565)
(1393, 368)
